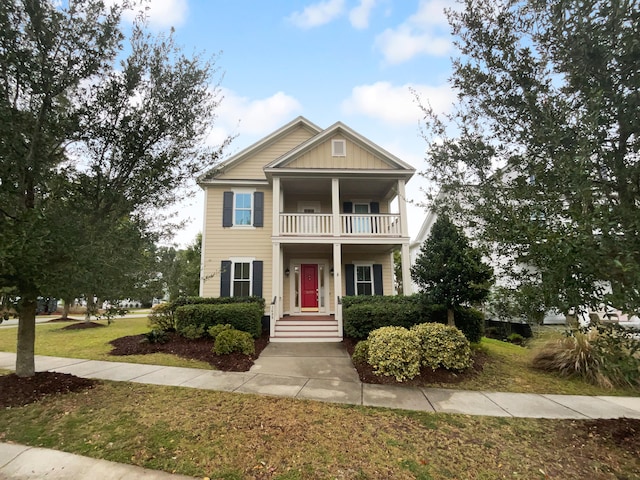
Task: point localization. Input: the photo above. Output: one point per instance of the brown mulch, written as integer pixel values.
(82, 325)
(200, 349)
(622, 432)
(16, 391)
(427, 375)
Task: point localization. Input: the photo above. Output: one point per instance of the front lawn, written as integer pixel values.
(229, 436)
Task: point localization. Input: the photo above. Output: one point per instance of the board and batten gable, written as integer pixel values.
(356, 157)
(252, 167)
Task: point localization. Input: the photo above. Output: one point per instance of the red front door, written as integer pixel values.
(309, 287)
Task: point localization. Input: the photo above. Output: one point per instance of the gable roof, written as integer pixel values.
(339, 128)
(259, 145)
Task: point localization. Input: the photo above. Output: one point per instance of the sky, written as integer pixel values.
(354, 61)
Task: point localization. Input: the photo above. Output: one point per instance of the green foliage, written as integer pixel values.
(361, 352)
(449, 270)
(178, 302)
(246, 317)
(443, 346)
(191, 331)
(548, 136)
(394, 351)
(604, 355)
(231, 341)
(515, 338)
(217, 330)
(364, 314)
(156, 336)
(162, 318)
(469, 320)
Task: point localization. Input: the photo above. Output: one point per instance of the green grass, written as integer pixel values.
(93, 343)
(233, 436)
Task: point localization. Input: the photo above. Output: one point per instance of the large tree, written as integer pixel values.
(542, 153)
(449, 271)
(90, 147)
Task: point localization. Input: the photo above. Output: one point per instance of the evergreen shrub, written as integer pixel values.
(442, 346)
(231, 341)
(394, 351)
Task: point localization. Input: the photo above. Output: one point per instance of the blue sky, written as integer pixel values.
(354, 61)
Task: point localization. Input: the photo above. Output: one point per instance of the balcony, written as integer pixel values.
(351, 224)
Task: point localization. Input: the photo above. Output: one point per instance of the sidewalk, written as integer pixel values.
(320, 372)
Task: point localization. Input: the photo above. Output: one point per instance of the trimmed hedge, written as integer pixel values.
(363, 314)
(394, 351)
(443, 346)
(246, 317)
(181, 301)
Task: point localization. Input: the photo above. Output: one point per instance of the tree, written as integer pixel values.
(449, 270)
(90, 150)
(548, 133)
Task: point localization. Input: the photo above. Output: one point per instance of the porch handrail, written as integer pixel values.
(272, 320)
(382, 224)
(306, 224)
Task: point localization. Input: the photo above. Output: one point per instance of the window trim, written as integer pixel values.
(355, 279)
(238, 260)
(243, 191)
(334, 150)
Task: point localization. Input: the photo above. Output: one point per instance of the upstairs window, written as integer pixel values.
(338, 148)
(242, 209)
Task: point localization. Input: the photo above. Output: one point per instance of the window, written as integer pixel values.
(241, 279)
(242, 209)
(361, 224)
(339, 148)
(364, 280)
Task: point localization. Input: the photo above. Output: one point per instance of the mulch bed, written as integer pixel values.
(82, 325)
(200, 349)
(16, 391)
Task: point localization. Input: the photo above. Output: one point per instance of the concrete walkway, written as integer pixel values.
(311, 371)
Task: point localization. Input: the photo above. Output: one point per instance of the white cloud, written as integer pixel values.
(424, 32)
(317, 14)
(160, 13)
(397, 105)
(359, 16)
(251, 119)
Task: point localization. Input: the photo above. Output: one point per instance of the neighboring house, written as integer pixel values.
(302, 218)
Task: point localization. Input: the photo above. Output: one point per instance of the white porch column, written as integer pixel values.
(276, 284)
(335, 207)
(337, 282)
(402, 203)
(406, 270)
(275, 229)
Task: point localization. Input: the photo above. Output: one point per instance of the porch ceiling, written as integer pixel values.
(354, 187)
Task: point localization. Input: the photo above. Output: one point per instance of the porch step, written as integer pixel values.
(306, 330)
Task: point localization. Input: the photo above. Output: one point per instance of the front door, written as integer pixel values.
(309, 287)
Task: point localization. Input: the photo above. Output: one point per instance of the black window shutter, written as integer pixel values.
(258, 209)
(227, 209)
(350, 279)
(257, 278)
(375, 207)
(347, 207)
(225, 278)
(377, 279)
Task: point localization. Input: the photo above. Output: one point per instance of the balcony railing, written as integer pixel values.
(351, 224)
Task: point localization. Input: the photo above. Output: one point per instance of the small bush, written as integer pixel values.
(442, 346)
(156, 336)
(246, 317)
(361, 352)
(394, 351)
(230, 341)
(605, 355)
(161, 318)
(192, 332)
(515, 338)
(217, 330)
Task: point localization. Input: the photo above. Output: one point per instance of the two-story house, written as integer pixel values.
(301, 218)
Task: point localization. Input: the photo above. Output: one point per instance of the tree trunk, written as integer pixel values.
(450, 318)
(66, 308)
(91, 307)
(25, 362)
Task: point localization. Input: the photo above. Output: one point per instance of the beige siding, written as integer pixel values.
(222, 243)
(291, 202)
(251, 168)
(356, 158)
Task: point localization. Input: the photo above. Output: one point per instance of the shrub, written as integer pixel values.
(605, 355)
(162, 318)
(361, 352)
(442, 346)
(218, 329)
(469, 320)
(246, 317)
(230, 341)
(515, 338)
(156, 336)
(182, 301)
(394, 351)
(192, 332)
(364, 314)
